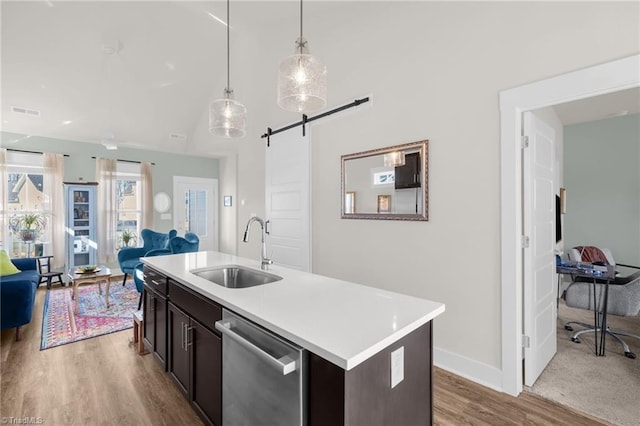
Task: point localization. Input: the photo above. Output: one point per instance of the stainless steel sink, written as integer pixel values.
(236, 276)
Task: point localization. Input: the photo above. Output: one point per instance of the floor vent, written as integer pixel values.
(25, 111)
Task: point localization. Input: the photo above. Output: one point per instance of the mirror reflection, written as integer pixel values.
(386, 183)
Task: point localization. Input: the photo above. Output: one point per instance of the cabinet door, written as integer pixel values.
(178, 348)
(149, 324)
(408, 176)
(206, 369)
(160, 351)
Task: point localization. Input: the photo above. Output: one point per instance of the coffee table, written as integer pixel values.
(102, 275)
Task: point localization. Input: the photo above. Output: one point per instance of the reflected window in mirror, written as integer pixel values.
(388, 183)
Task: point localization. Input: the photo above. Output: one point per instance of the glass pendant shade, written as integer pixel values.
(302, 81)
(394, 159)
(227, 117)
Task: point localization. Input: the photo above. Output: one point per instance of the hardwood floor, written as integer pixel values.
(458, 401)
(102, 381)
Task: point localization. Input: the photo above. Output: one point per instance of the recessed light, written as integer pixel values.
(66, 122)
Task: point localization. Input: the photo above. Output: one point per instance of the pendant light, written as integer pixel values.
(227, 117)
(394, 159)
(302, 79)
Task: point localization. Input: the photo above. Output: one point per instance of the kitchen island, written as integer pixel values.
(350, 331)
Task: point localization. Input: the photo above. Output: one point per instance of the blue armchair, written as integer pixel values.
(187, 244)
(18, 295)
(154, 244)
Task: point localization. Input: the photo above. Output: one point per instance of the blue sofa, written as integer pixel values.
(18, 295)
(154, 244)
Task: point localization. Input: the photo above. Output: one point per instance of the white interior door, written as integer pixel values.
(195, 209)
(540, 313)
(288, 201)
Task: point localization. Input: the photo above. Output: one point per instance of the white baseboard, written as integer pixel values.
(475, 371)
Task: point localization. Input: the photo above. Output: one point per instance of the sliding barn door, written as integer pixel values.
(288, 200)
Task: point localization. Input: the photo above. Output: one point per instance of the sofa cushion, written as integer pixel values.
(32, 276)
(6, 267)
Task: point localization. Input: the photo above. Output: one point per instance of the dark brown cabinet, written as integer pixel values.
(155, 315)
(195, 351)
(408, 176)
(364, 396)
(179, 364)
(179, 329)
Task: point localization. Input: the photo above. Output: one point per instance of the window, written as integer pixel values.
(26, 196)
(383, 178)
(195, 211)
(128, 203)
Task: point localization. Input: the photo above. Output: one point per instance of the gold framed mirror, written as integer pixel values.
(387, 183)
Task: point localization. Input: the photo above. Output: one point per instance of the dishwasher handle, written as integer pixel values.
(284, 365)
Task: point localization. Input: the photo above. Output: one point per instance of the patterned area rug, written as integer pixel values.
(61, 326)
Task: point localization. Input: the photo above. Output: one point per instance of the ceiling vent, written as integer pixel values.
(25, 111)
(177, 136)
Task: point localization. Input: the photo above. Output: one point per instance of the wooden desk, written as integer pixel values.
(103, 275)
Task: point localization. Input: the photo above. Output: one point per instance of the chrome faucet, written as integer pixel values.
(264, 261)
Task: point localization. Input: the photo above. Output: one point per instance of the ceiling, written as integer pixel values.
(625, 102)
(170, 63)
(155, 90)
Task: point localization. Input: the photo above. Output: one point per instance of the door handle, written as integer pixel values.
(181, 335)
(284, 365)
(266, 227)
(188, 340)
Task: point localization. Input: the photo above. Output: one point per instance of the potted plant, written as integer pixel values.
(28, 225)
(128, 236)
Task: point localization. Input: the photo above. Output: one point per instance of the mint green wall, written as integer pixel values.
(602, 177)
(79, 166)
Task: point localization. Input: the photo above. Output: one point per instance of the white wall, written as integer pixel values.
(434, 71)
(603, 186)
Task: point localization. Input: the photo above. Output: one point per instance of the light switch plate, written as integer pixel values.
(397, 366)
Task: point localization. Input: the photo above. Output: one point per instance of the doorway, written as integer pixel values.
(597, 80)
(195, 209)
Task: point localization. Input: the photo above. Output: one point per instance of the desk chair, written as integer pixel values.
(623, 300)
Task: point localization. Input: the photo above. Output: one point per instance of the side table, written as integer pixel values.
(138, 325)
(606, 274)
(103, 274)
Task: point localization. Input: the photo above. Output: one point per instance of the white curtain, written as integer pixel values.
(147, 196)
(107, 209)
(4, 187)
(54, 203)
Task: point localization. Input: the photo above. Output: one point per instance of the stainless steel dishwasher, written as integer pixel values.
(263, 376)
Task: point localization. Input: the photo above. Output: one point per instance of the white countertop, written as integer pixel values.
(342, 322)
